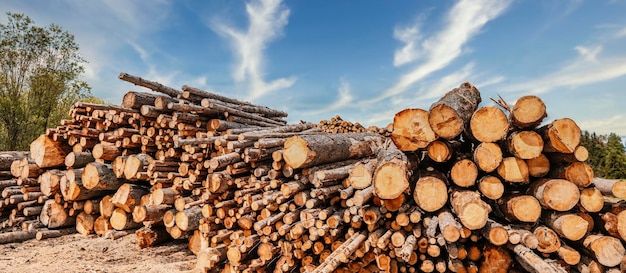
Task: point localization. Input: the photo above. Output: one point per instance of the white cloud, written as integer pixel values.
(615, 124)
(621, 33)
(344, 98)
(587, 68)
(463, 21)
(267, 18)
(410, 37)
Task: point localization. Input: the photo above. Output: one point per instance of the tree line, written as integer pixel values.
(606, 154)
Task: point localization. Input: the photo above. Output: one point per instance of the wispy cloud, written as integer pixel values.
(267, 19)
(464, 21)
(621, 33)
(615, 124)
(344, 98)
(587, 68)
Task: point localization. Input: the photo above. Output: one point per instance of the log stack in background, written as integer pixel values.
(455, 188)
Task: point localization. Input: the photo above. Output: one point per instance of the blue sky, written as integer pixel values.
(364, 60)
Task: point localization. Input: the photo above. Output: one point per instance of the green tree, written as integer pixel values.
(614, 161)
(596, 145)
(40, 69)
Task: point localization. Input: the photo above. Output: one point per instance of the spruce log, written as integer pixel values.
(555, 194)
(48, 153)
(78, 160)
(562, 135)
(17, 236)
(471, 210)
(392, 174)
(149, 213)
(361, 174)
(611, 187)
(50, 182)
(488, 124)
(568, 225)
(121, 220)
(188, 219)
(464, 173)
(524, 208)
(135, 100)
(452, 113)
(491, 187)
(128, 196)
(46, 234)
(412, 130)
(538, 166)
(311, 150)
(85, 223)
(106, 151)
(135, 164)
(578, 173)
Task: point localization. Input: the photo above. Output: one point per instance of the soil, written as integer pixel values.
(77, 253)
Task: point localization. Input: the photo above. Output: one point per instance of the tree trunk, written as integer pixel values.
(611, 187)
(524, 208)
(128, 196)
(514, 170)
(528, 112)
(149, 236)
(78, 160)
(154, 86)
(452, 113)
(7, 158)
(311, 150)
(607, 250)
(412, 130)
(568, 225)
(487, 156)
(135, 100)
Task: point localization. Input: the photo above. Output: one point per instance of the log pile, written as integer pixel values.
(455, 188)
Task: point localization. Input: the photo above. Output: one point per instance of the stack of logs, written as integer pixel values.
(455, 188)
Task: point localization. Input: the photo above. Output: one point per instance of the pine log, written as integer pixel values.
(487, 156)
(562, 135)
(164, 196)
(106, 207)
(188, 219)
(154, 86)
(591, 199)
(7, 158)
(524, 208)
(608, 251)
(611, 187)
(452, 113)
(528, 112)
(78, 160)
(135, 164)
(442, 151)
(311, 150)
(48, 153)
(525, 144)
(450, 228)
(555, 194)
(47, 234)
(149, 236)
(393, 171)
(102, 225)
(50, 182)
(30, 170)
(149, 213)
(514, 170)
(471, 210)
(135, 100)
(580, 154)
(488, 124)
(532, 262)
(578, 173)
(538, 166)
(412, 130)
(549, 241)
(101, 176)
(431, 192)
(54, 215)
(128, 196)
(76, 191)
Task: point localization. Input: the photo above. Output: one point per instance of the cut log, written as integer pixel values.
(85, 223)
(154, 86)
(50, 182)
(532, 262)
(450, 228)
(487, 156)
(489, 124)
(580, 154)
(188, 219)
(7, 158)
(17, 236)
(608, 251)
(78, 160)
(611, 187)
(361, 174)
(497, 260)
(578, 173)
(568, 225)
(524, 208)
(528, 112)
(149, 236)
(464, 173)
(452, 113)
(106, 151)
(562, 135)
(471, 210)
(101, 176)
(311, 150)
(412, 130)
(128, 196)
(431, 192)
(525, 144)
(47, 234)
(149, 213)
(538, 166)
(549, 241)
(514, 170)
(121, 220)
(591, 199)
(48, 153)
(392, 174)
(555, 194)
(491, 187)
(135, 100)
(135, 164)
(54, 215)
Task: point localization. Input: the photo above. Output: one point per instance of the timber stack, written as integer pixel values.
(455, 188)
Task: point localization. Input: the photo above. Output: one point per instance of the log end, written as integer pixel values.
(430, 193)
(564, 135)
(411, 130)
(489, 124)
(560, 195)
(445, 121)
(473, 215)
(296, 152)
(390, 180)
(528, 111)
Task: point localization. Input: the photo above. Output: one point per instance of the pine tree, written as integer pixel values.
(614, 161)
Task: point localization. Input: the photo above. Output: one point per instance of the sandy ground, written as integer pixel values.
(77, 253)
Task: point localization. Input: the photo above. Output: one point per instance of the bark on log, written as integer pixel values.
(135, 100)
(47, 234)
(311, 150)
(452, 113)
(361, 174)
(412, 130)
(7, 158)
(121, 220)
(106, 151)
(149, 236)
(78, 160)
(497, 260)
(611, 187)
(85, 223)
(154, 86)
(17, 236)
(568, 225)
(128, 196)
